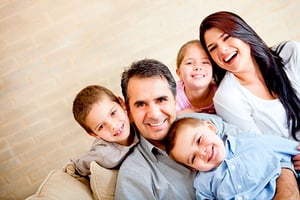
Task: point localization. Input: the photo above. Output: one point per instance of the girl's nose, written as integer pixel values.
(197, 67)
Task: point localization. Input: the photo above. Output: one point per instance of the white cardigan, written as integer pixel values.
(237, 105)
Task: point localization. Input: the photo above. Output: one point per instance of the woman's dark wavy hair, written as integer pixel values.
(270, 63)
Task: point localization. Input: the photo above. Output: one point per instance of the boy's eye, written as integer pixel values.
(193, 159)
(198, 141)
(100, 127)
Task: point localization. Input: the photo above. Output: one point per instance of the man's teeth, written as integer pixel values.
(157, 124)
(228, 58)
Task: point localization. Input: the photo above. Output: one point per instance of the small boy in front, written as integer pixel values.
(103, 116)
(244, 166)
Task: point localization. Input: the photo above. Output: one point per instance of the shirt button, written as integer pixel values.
(233, 167)
(239, 198)
(239, 187)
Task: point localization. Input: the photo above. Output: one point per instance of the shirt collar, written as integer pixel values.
(151, 150)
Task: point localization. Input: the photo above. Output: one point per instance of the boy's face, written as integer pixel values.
(198, 147)
(152, 107)
(108, 120)
(195, 69)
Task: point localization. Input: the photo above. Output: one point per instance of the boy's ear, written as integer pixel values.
(122, 103)
(210, 125)
(93, 134)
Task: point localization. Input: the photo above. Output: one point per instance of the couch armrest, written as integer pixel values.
(60, 185)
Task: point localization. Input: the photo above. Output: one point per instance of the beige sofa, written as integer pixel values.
(64, 184)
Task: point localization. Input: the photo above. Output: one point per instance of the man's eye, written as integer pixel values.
(114, 112)
(162, 99)
(139, 105)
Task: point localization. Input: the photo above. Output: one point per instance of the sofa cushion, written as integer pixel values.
(102, 182)
(60, 185)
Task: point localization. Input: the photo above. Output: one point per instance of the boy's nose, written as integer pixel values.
(202, 152)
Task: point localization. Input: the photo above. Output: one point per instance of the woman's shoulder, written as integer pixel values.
(287, 47)
(228, 88)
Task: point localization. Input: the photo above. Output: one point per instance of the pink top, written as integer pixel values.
(183, 102)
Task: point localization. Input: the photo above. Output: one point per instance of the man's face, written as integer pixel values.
(152, 107)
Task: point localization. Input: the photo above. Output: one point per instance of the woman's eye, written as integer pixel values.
(226, 37)
(212, 48)
(113, 112)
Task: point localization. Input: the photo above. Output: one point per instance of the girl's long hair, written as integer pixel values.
(270, 63)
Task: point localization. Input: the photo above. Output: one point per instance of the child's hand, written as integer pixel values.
(296, 160)
(70, 169)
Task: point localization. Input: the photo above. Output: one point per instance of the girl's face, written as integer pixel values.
(229, 53)
(198, 147)
(195, 69)
(109, 121)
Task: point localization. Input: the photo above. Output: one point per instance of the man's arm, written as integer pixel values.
(286, 186)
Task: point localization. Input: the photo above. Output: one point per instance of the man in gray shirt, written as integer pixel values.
(149, 90)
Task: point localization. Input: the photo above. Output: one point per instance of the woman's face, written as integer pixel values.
(229, 53)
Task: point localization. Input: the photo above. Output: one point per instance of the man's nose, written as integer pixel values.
(153, 111)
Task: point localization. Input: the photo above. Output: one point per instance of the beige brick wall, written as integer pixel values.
(49, 50)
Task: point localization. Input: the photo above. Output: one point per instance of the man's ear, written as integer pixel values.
(210, 125)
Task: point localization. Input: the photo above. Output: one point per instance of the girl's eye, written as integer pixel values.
(188, 63)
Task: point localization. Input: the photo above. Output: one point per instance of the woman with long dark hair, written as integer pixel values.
(258, 86)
